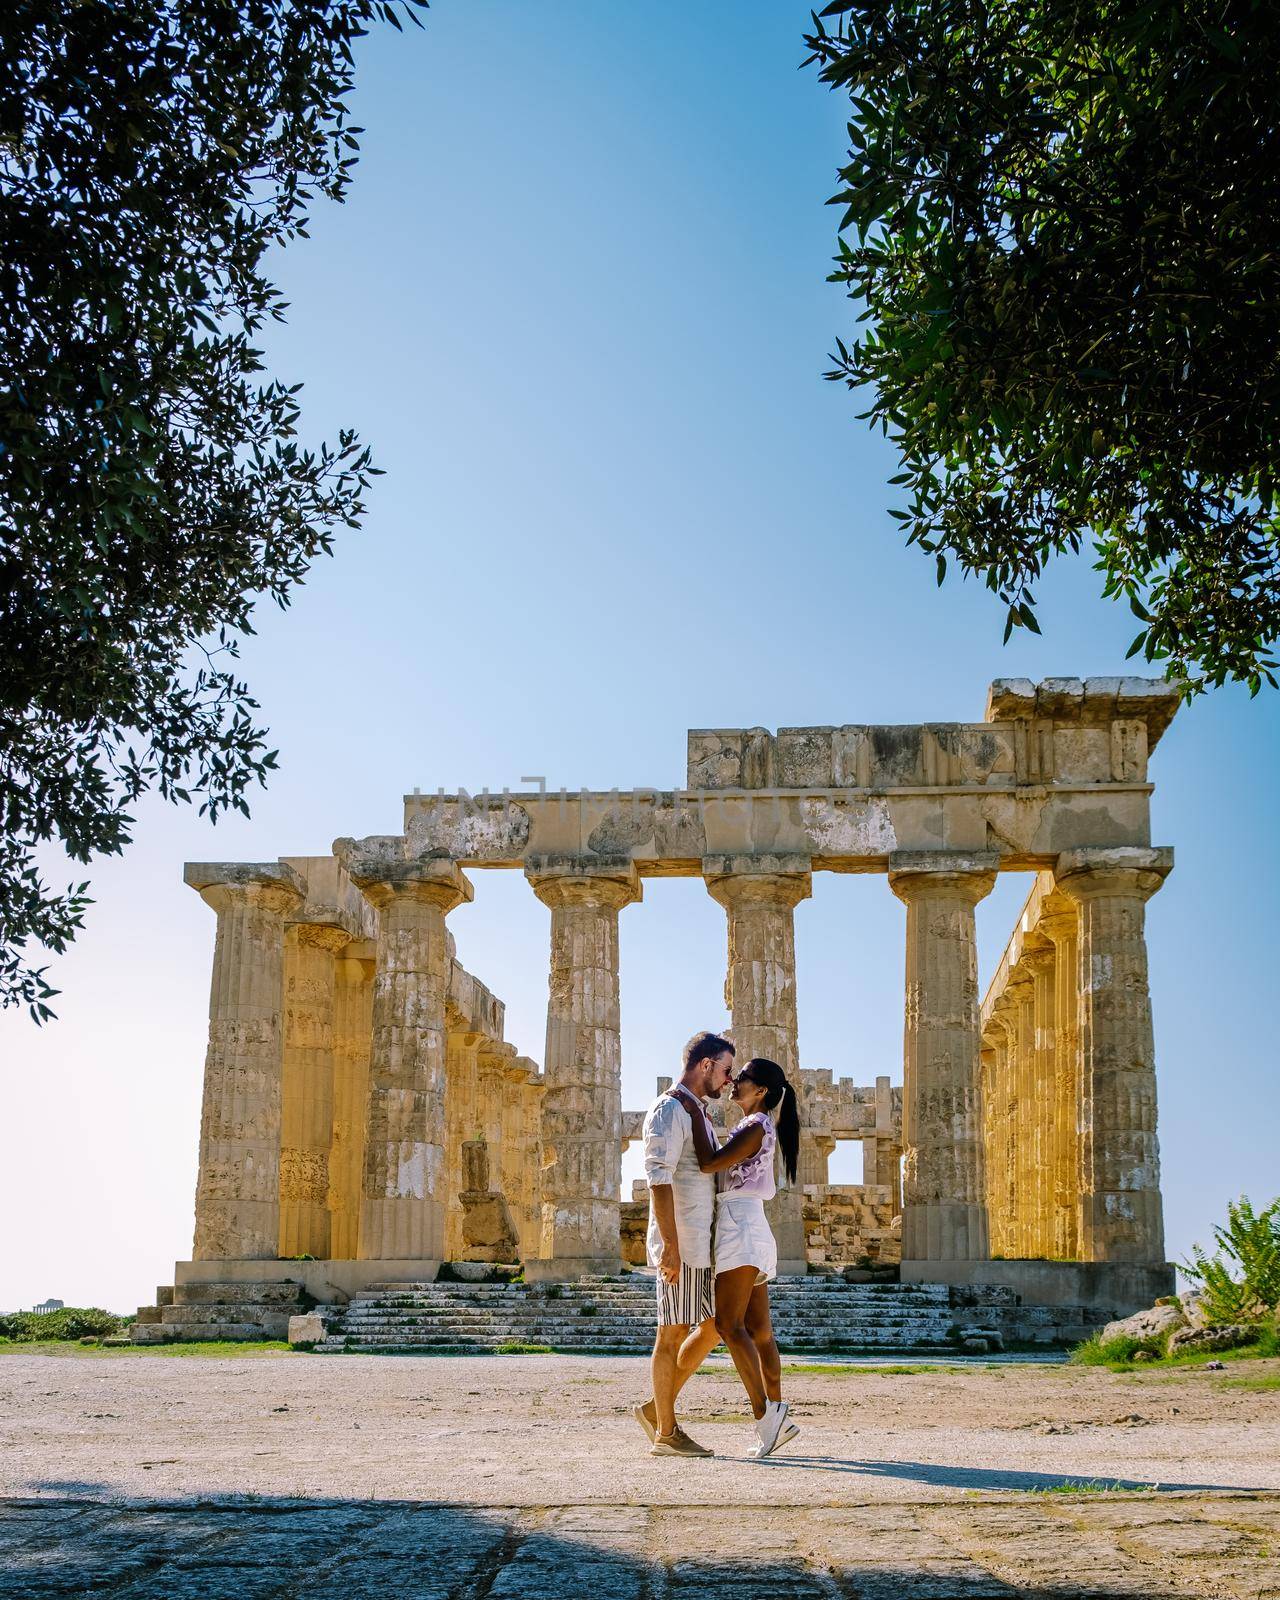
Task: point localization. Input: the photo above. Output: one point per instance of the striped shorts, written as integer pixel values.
(689, 1301)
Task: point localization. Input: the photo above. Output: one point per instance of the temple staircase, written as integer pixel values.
(616, 1316)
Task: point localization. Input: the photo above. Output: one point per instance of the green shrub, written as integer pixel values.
(71, 1323)
(1240, 1281)
(1097, 1352)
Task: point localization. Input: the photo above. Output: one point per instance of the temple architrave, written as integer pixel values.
(365, 1120)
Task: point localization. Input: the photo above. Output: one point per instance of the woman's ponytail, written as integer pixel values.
(789, 1132)
(779, 1092)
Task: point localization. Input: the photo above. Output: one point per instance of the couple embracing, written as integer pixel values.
(710, 1239)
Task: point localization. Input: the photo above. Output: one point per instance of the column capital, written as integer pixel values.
(1038, 959)
(270, 884)
(1058, 921)
(741, 880)
(1084, 874)
(435, 881)
(606, 882)
(955, 874)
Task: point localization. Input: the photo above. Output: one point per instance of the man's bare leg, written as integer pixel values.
(699, 1344)
(665, 1368)
(676, 1358)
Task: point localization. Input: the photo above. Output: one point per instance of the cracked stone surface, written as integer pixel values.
(524, 1478)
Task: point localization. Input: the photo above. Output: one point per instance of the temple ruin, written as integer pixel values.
(354, 1065)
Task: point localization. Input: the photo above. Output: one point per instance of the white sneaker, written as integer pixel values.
(770, 1426)
(790, 1432)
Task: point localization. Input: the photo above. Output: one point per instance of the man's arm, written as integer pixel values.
(664, 1211)
(712, 1158)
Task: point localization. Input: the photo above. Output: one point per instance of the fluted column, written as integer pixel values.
(760, 894)
(1022, 991)
(306, 1115)
(1058, 924)
(944, 1212)
(815, 1153)
(1121, 1215)
(353, 971)
(991, 1059)
(462, 1053)
(1002, 1155)
(402, 1209)
(582, 1103)
(1040, 962)
(238, 1187)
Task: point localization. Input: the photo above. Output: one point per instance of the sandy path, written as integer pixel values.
(556, 1430)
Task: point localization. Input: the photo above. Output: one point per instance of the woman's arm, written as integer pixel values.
(741, 1147)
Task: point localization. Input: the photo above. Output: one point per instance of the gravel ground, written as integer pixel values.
(554, 1430)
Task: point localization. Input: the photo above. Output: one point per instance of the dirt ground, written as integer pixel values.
(524, 1477)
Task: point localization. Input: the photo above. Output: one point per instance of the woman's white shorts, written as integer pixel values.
(743, 1237)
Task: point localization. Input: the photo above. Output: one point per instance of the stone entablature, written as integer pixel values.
(1055, 767)
(350, 1056)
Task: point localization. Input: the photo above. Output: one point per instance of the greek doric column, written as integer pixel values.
(1021, 989)
(991, 1062)
(760, 894)
(1002, 1152)
(402, 1208)
(582, 1101)
(944, 1211)
(815, 1152)
(238, 1188)
(1040, 962)
(353, 971)
(306, 1116)
(1058, 923)
(462, 1124)
(1121, 1216)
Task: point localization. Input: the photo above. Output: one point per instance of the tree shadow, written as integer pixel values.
(65, 1544)
(985, 1478)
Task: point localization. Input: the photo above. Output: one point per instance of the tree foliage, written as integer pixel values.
(1240, 1281)
(1062, 221)
(152, 484)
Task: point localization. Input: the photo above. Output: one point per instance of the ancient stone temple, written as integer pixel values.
(352, 1060)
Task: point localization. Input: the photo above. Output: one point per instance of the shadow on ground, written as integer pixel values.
(252, 1548)
(986, 1479)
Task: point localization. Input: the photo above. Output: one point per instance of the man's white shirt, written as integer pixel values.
(670, 1157)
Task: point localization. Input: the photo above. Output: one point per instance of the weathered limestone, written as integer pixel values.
(760, 894)
(306, 1128)
(351, 1057)
(402, 1213)
(582, 1097)
(944, 1210)
(1058, 923)
(488, 1233)
(353, 973)
(521, 1179)
(238, 1188)
(462, 1123)
(1039, 961)
(1121, 1216)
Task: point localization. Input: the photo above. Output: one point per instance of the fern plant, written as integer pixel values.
(1240, 1281)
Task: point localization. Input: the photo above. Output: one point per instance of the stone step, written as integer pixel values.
(810, 1316)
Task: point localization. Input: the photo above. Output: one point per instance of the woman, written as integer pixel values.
(746, 1253)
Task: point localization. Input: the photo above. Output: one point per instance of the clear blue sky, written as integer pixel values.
(577, 305)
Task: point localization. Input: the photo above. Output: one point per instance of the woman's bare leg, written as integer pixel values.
(733, 1292)
(760, 1327)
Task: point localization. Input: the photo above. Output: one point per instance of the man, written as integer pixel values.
(681, 1208)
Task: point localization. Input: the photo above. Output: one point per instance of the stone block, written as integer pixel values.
(307, 1329)
(149, 1333)
(1185, 1340)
